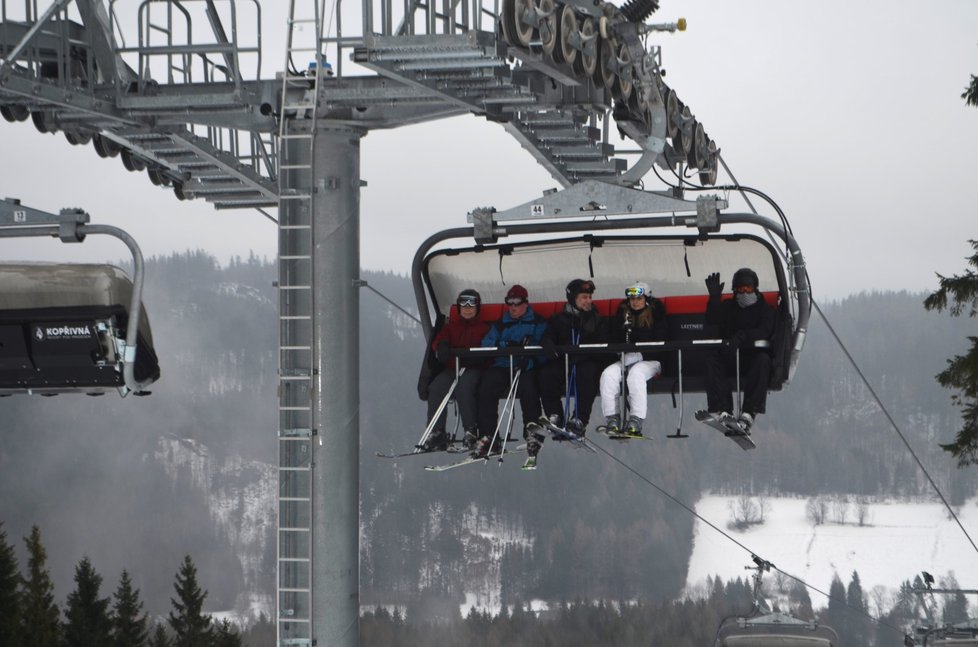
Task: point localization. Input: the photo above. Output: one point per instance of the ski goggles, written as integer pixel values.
(634, 291)
(470, 302)
(744, 289)
(515, 302)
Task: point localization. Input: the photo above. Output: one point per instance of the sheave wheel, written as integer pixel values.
(608, 65)
(697, 150)
(623, 83)
(566, 27)
(587, 59)
(548, 27)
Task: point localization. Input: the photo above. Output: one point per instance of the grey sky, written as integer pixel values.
(846, 113)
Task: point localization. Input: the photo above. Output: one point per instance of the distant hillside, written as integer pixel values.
(137, 483)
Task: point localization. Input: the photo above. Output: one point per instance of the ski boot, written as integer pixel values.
(576, 426)
(611, 426)
(746, 420)
(634, 427)
(470, 438)
(437, 441)
(481, 448)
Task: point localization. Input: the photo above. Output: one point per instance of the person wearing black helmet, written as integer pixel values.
(465, 332)
(742, 320)
(640, 318)
(578, 323)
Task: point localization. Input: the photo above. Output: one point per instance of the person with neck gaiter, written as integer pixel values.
(742, 320)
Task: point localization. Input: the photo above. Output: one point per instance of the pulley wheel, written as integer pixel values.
(524, 31)
(696, 157)
(608, 64)
(566, 28)
(624, 84)
(548, 27)
(683, 141)
(587, 59)
(708, 177)
(672, 114)
(105, 147)
(14, 112)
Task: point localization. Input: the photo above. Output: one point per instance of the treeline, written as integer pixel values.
(30, 617)
(858, 617)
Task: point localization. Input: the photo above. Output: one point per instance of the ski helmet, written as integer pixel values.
(745, 276)
(467, 296)
(639, 289)
(578, 286)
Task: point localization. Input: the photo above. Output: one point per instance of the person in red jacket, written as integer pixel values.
(465, 332)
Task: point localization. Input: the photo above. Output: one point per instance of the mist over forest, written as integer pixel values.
(137, 483)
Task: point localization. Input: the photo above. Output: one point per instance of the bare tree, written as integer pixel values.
(744, 512)
(862, 511)
(839, 507)
(816, 510)
(879, 599)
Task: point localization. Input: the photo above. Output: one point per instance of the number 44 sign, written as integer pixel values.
(536, 210)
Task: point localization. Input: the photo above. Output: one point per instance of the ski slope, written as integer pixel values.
(897, 542)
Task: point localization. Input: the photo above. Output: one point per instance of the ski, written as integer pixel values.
(560, 434)
(472, 460)
(729, 427)
(452, 449)
(623, 436)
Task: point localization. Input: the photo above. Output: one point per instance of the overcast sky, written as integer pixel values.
(847, 113)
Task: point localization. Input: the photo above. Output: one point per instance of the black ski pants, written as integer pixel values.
(755, 373)
(553, 386)
(495, 385)
(464, 396)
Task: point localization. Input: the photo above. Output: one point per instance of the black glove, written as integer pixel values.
(714, 286)
(442, 352)
(738, 339)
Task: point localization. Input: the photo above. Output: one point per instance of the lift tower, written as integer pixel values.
(174, 88)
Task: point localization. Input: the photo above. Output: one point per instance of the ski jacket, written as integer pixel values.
(509, 333)
(749, 324)
(573, 327)
(624, 330)
(460, 333)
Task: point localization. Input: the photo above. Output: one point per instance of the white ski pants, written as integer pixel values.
(639, 372)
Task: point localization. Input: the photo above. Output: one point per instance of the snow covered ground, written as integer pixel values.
(897, 542)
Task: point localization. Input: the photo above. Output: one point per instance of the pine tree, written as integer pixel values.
(190, 626)
(40, 625)
(159, 638)
(9, 595)
(226, 635)
(87, 614)
(129, 623)
(970, 94)
(857, 626)
(835, 615)
(957, 294)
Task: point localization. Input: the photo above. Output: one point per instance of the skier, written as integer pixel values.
(640, 318)
(742, 321)
(577, 324)
(465, 332)
(519, 327)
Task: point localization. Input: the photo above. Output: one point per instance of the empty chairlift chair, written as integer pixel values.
(63, 329)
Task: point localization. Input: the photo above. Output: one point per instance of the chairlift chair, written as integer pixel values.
(614, 252)
(71, 327)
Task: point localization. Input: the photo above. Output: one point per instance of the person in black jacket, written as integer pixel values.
(742, 321)
(640, 318)
(577, 324)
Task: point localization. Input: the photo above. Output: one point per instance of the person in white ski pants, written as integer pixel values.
(639, 372)
(640, 318)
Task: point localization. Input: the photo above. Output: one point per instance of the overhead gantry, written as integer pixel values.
(175, 89)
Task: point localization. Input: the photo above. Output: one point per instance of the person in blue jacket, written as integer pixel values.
(519, 327)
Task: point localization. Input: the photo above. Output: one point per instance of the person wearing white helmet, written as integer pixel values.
(640, 318)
